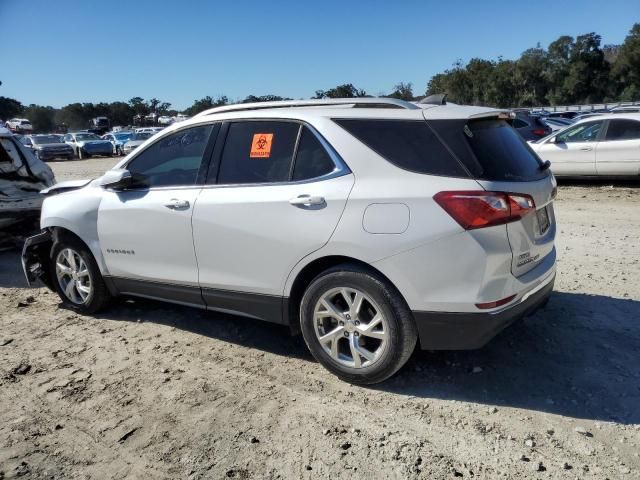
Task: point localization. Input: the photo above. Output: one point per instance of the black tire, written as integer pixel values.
(99, 297)
(402, 331)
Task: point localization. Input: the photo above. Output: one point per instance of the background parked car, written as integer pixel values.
(137, 139)
(85, 144)
(165, 120)
(48, 147)
(603, 145)
(20, 125)
(530, 127)
(118, 140)
(148, 129)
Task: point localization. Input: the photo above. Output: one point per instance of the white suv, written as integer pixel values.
(367, 224)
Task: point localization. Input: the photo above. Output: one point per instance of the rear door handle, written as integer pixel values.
(307, 201)
(175, 204)
(586, 149)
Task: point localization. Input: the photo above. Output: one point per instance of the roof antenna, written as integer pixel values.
(437, 99)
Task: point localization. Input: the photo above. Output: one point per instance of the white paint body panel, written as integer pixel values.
(160, 237)
(250, 239)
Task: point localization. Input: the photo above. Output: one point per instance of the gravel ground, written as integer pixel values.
(153, 390)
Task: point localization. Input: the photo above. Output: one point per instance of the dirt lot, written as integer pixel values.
(150, 390)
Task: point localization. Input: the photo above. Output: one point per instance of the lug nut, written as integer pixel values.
(348, 316)
(356, 334)
(357, 322)
(341, 323)
(346, 334)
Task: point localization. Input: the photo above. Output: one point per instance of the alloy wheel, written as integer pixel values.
(73, 276)
(350, 327)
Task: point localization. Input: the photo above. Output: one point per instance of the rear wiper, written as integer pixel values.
(545, 165)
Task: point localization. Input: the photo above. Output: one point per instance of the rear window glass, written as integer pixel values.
(490, 149)
(408, 144)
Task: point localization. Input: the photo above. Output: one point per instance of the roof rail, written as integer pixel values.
(369, 102)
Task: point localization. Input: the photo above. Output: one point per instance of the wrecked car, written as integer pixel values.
(22, 176)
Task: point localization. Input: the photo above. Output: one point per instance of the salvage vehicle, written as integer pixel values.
(48, 147)
(19, 125)
(99, 125)
(366, 224)
(118, 140)
(86, 144)
(605, 145)
(22, 176)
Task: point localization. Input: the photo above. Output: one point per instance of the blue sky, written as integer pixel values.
(58, 52)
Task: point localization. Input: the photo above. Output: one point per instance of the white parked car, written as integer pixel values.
(607, 145)
(19, 125)
(148, 129)
(367, 229)
(165, 120)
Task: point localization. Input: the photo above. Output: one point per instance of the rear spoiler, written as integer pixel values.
(498, 114)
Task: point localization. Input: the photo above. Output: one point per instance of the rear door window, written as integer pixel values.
(408, 144)
(623, 130)
(258, 152)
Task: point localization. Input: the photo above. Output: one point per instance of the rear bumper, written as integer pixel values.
(468, 331)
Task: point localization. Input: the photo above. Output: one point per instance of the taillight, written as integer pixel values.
(496, 304)
(479, 209)
(539, 131)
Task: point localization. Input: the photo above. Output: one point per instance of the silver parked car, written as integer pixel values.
(48, 147)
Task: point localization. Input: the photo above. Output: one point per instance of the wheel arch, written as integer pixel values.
(311, 271)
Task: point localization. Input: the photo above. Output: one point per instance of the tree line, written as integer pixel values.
(569, 71)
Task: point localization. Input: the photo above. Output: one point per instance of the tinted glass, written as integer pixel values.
(172, 160)
(585, 132)
(623, 130)
(517, 123)
(500, 152)
(410, 145)
(312, 160)
(258, 152)
(39, 140)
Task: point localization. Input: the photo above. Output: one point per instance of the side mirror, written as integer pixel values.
(118, 178)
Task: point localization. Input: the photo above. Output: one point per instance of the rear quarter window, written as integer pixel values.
(409, 144)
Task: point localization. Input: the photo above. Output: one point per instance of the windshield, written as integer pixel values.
(40, 140)
(25, 122)
(141, 136)
(86, 136)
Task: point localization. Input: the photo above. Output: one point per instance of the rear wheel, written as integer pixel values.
(357, 325)
(76, 276)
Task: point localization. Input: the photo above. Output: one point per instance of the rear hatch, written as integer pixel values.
(500, 161)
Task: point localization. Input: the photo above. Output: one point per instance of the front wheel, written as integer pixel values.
(76, 276)
(357, 325)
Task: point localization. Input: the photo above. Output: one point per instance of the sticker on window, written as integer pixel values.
(261, 145)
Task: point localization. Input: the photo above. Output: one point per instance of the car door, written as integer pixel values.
(619, 152)
(145, 230)
(573, 151)
(274, 195)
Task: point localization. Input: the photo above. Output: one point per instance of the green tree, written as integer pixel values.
(626, 69)
(42, 118)
(10, 108)
(402, 91)
(206, 103)
(346, 90)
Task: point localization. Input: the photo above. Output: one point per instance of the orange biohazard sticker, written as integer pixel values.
(261, 145)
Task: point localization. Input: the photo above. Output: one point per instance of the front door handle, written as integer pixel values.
(307, 200)
(586, 149)
(175, 204)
